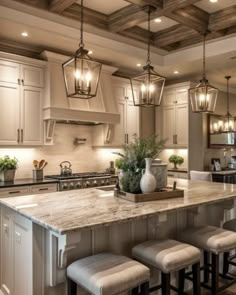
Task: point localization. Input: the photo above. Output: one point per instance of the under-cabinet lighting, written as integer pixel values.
(24, 34)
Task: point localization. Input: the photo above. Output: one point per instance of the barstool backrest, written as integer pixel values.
(200, 175)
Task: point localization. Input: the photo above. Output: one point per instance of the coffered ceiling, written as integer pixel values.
(182, 21)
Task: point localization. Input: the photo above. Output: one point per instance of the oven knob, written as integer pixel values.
(78, 185)
(95, 183)
(102, 182)
(64, 186)
(71, 185)
(87, 183)
(108, 181)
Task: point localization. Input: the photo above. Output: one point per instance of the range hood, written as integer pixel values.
(80, 117)
(101, 109)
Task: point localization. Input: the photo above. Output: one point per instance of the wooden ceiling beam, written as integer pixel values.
(126, 17)
(191, 17)
(60, 5)
(137, 33)
(91, 17)
(172, 35)
(142, 3)
(170, 5)
(223, 19)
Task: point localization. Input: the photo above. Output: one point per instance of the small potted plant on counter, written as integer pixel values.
(176, 160)
(8, 168)
(133, 162)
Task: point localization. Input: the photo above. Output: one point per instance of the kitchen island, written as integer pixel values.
(51, 230)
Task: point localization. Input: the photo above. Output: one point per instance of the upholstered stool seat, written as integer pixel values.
(167, 255)
(170, 256)
(108, 274)
(209, 238)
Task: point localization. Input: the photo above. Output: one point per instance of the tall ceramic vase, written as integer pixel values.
(148, 180)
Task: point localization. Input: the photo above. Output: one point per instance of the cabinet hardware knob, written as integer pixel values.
(22, 135)
(13, 192)
(22, 82)
(18, 80)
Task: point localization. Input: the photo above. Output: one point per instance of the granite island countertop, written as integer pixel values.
(67, 211)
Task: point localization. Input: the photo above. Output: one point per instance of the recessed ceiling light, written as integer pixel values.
(157, 20)
(213, 1)
(138, 65)
(90, 52)
(176, 72)
(24, 34)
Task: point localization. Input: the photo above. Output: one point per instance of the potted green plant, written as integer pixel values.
(132, 161)
(8, 168)
(176, 160)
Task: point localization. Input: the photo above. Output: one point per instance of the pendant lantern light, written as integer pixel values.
(228, 120)
(203, 97)
(81, 72)
(150, 83)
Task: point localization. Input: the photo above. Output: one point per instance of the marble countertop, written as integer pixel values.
(89, 208)
(25, 181)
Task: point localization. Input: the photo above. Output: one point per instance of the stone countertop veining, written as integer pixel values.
(89, 208)
(25, 181)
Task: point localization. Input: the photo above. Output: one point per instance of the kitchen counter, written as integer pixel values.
(25, 181)
(65, 211)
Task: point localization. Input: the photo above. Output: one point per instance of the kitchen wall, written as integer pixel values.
(83, 157)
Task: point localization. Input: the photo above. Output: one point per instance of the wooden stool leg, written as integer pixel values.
(215, 273)
(165, 283)
(145, 288)
(196, 279)
(71, 287)
(181, 280)
(206, 262)
(226, 263)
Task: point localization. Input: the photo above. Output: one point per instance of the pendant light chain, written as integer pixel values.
(204, 57)
(149, 36)
(228, 78)
(81, 44)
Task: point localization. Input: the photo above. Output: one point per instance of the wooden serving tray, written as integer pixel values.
(166, 193)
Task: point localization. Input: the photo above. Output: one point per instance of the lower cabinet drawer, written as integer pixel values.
(183, 175)
(44, 188)
(14, 191)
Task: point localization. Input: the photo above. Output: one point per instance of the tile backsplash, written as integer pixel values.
(83, 157)
(166, 153)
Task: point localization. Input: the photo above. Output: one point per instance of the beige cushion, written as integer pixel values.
(230, 225)
(210, 238)
(166, 255)
(107, 274)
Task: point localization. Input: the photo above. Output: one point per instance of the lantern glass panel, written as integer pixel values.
(151, 86)
(203, 98)
(81, 76)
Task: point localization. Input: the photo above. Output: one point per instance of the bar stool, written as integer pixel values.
(170, 256)
(214, 241)
(108, 274)
(228, 259)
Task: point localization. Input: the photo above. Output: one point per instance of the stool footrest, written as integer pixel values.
(158, 287)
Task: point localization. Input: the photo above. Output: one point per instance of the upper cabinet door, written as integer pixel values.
(169, 125)
(132, 119)
(169, 98)
(9, 119)
(129, 93)
(181, 95)
(182, 124)
(9, 72)
(32, 76)
(119, 91)
(31, 121)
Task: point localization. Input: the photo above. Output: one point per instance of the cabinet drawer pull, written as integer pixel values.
(13, 192)
(127, 138)
(22, 82)
(18, 80)
(22, 135)
(43, 189)
(18, 135)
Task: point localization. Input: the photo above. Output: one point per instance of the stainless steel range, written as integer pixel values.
(69, 181)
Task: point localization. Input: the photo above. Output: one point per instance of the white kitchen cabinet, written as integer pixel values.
(21, 92)
(175, 117)
(16, 254)
(129, 127)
